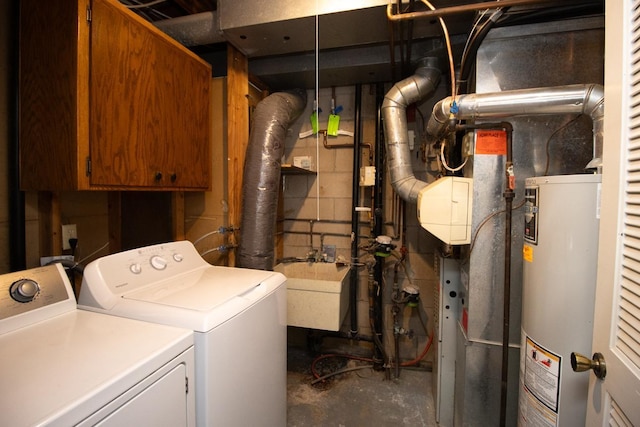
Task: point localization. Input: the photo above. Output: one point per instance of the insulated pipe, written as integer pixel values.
(193, 30)
(261, 179)
(412, 89)
(577, 99)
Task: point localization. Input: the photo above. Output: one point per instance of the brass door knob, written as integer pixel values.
(580, 363)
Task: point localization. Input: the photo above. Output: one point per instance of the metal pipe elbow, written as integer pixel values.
(404, 93)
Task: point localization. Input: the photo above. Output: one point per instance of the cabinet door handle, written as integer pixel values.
(158, 176)
(174, 177)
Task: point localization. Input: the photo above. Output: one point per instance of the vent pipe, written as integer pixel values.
(261, 179)
(193, 30)
(406, 92)
(577, 99)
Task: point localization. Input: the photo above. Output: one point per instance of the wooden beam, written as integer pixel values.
(50, 223)
(115, 221)
(177, 217)
(237, 134)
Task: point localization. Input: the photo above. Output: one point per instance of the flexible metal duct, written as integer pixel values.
(412, 89)
(576, 99)
(193, 30)
(261, 179)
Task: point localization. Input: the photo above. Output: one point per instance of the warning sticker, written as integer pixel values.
(527, 253)
(491, 142)
(542, 370)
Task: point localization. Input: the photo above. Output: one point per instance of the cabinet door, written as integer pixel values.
(149, 105)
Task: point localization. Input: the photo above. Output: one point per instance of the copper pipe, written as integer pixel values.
(452, 10)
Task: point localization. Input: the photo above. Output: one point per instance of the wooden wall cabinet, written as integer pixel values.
(109, 102)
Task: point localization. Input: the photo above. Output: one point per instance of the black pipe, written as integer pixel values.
(378, 199)
(355, 199)
(509, 195)
(17, 247)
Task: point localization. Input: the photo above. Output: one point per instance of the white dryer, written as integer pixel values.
(60, 366)
(238, 317)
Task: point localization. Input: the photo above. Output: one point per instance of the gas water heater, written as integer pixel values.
(558, 290)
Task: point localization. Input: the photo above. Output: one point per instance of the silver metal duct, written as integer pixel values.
(412, 89)
(261, 179)
(577, 99)
(193, 30)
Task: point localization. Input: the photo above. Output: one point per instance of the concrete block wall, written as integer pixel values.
(322, 203)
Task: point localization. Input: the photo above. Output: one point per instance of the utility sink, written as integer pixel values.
(317, 294)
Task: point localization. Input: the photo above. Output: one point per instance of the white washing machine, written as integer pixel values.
(239, 319)
(60, 366)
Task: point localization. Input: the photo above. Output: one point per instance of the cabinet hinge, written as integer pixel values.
(88, 13)
(186, 385)
(88, 166)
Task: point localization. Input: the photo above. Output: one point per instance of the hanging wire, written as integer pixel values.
(474, 28)
(444, 161)
(140, 9)
(486, 220)
(143, 5)
(317, 54)
(317, 375)
(106, 245)
(548, 144)
(449, 50)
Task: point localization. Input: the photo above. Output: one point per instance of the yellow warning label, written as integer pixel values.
(527, 253)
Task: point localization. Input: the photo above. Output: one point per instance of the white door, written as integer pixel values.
(615, 400)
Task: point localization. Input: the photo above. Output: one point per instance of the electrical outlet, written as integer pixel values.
(68, 232)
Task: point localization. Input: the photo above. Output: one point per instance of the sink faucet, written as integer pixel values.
(314, 255)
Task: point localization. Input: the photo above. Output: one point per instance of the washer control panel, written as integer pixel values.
(26, 291)
(127, 271)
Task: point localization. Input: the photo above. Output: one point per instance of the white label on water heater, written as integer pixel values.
(539, 398)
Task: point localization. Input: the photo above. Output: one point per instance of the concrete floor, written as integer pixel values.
(358, 397)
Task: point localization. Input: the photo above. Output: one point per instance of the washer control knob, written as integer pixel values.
(135, 268)
(158, 262)
(178, 257)
(24, 290)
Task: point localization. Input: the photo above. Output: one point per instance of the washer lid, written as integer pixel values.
(201, 290)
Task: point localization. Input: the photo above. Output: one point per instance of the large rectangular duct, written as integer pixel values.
(286, 26)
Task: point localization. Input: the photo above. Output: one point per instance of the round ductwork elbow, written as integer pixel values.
(413, 89)
(261, 179)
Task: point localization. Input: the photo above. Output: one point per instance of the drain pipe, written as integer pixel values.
(577, 99)
(261, 180)
(355, 225)
(378, 199)
(394, 107)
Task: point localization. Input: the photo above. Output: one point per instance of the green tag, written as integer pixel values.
(332, 126)
(314, 121)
